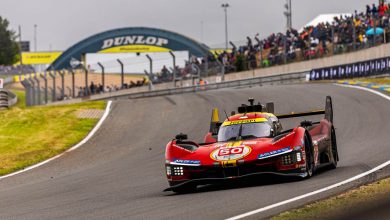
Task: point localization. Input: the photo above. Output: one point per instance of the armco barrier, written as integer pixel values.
(283, 78)
(359, 69)
(8, 80)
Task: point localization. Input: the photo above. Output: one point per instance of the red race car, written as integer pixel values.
(250, 143)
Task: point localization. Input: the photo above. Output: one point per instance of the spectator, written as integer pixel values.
(374, 10)
(381, 10)
(92, 88)
(368, 10)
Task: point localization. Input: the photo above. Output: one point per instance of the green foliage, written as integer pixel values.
(9, 49)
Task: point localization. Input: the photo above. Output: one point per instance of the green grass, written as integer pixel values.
(326, 208)
(29, 135)
(21, 99)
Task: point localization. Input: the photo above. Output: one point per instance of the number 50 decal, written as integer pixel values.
(230, 153)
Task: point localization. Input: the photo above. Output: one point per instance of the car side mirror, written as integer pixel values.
(275, 126)
(272, 132)
(181, 136)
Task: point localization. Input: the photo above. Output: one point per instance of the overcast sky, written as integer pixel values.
(62, 23)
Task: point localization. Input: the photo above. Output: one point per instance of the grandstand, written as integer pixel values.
(325, 36)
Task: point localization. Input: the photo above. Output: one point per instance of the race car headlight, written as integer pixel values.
(299, 156)
(287, 159)
(291, 158)
(178, 171)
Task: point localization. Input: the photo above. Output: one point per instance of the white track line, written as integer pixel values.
(98, 125)
(383, 165)
(365, 89)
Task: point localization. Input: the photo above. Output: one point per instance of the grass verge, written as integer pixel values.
(353, 198)
(29, 135)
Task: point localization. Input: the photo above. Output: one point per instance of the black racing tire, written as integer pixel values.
(334, 155)
(187, 188)
(309, 156)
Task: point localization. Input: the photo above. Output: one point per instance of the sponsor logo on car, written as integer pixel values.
(250, 142)
(244, 121)
(189, 162)
(274, 153)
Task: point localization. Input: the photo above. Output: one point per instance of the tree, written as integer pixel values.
(9, 49)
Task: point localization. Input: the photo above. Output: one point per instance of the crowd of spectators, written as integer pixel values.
(191, 68)
(94, 89)
(14, 70)
(165, 75)
(343, 34)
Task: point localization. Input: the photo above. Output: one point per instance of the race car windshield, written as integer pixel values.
(249, 131)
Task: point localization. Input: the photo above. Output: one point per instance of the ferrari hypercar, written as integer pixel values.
(252, 143)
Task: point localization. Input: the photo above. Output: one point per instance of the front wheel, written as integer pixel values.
(309, 156)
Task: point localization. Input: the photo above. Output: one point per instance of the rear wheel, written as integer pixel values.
(309, 156)
(334, 155)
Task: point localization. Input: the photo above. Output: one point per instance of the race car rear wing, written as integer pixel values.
(328, 112)
(301, 114)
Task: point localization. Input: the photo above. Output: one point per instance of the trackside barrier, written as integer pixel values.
(258, 81)
(12, 99)
(367, 68)
(7, 99)
(3, 99)
(8, 80)
(370, 68)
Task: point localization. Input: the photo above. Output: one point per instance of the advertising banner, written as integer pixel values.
(32, 58)
(353, 70)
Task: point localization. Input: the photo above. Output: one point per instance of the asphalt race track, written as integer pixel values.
(119, 173)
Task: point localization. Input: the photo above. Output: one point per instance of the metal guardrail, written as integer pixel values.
(282, 78)
(8, 80)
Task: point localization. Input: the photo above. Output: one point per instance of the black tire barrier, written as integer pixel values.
(7, 99)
